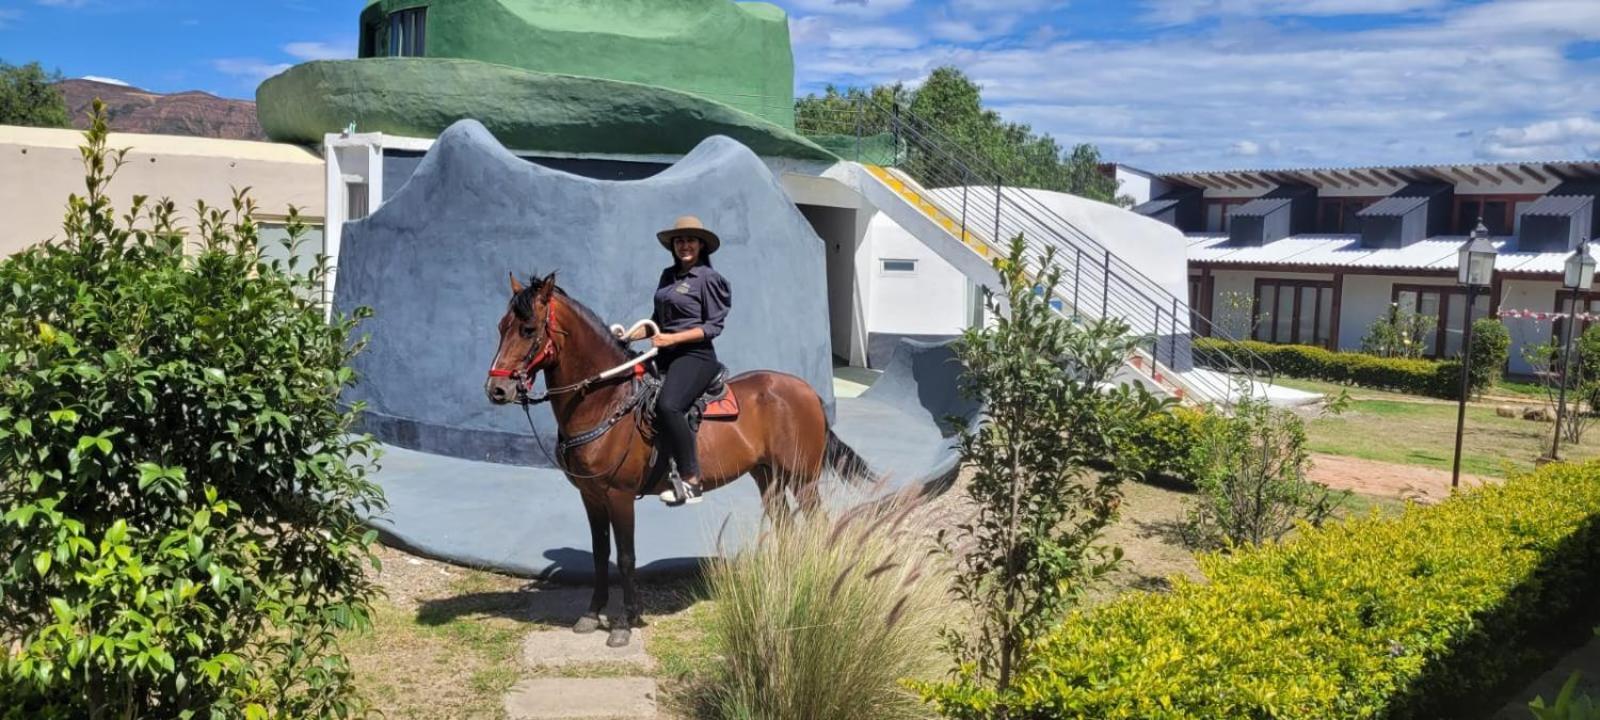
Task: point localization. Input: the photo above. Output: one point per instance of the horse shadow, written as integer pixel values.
(560, 595)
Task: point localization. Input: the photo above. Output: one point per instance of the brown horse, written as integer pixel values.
(780, 437)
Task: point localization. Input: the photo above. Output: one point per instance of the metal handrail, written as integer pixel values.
(911, 132)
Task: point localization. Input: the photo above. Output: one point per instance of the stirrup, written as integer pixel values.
(681, 493)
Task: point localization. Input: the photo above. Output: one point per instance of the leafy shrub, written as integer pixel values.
(823, 619)
(181, 489)
(1031, 549)
(1398, 334)
(1421, 616)
(1420, 377)
(1569, 704)
(1253, 487)
(1491, 348)
(1171, 444)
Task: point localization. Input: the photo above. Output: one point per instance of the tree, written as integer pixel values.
(1031, 550)
(181, 493)
(947, 110)
(28, 96)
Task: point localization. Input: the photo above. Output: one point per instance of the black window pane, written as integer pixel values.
(1467, 216)
(422, 33)
(1495, 217)
(1351, 223)
(1328, 219)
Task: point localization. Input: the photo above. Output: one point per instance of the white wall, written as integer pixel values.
(931, 301)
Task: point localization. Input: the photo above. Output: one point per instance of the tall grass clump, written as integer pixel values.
(824, 617)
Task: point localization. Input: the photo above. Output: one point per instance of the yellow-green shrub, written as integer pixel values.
(1438, 378)
(1170, 444)
(1421, 616)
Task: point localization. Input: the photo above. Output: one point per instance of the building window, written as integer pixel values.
(1217, 212)
(408, 33)
(1200, 304)
(898, 267)
(1338, 215)
(1296, 312)
(1446, 306)
(1499, 212)
(356, 201)
(1588, 302)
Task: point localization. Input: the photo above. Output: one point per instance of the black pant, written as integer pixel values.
(684, 379)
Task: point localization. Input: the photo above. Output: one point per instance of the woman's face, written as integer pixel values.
(686, 249)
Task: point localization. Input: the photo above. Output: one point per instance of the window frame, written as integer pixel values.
(1442, 320)
(1345, 209)
(1324, 293)
(1510, 219)
(1226, 205)
(885, 271)
(1588, 300)
(407, 29)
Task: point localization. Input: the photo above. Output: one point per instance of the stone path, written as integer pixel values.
(578, 677)
(1585, 660)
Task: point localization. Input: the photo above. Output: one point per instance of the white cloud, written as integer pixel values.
(970, 31)
(1177, 12)
(320, 50)
(106, 80)
(1245, 148)
(1545, 140)
(999, 6)
(248, 68)
(1431, 90)
(63, 3)
(829, 33)
(857, 8)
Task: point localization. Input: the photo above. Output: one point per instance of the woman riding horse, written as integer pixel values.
(780, 435)
(691, 302)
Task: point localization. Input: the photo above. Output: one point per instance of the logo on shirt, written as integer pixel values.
(682, 289)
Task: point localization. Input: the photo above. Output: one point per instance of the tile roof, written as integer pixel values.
(1345, 251)
(1260, 207)
(1560, 205)
(1393, 206)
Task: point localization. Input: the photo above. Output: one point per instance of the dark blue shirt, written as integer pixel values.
(699, 298)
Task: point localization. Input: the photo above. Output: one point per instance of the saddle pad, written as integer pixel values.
(723, 408)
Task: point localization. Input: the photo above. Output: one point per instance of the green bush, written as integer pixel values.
(1171, 444)
(824, 618)
(181, 490)
(1491, 348)
(1423, 616)
(1420, 377)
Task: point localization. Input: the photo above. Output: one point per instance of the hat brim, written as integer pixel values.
(707, 238)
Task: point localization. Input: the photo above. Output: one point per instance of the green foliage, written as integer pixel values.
(1172, 444)
(1491, 348)
(1568, 705)
(1399, 334)
(1441, 379)
(952, 106)
(1253, 487)
(181, 491)
(28, 97)
(1031, 549)
(1420, 616)
(824, 619)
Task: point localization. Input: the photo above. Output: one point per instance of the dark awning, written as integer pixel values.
(1153, 207)
(1392, 206)
(1261, 207)
(1559, 206)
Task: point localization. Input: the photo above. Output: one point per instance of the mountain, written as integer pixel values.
(131, 109)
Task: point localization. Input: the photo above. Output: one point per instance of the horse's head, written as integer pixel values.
(527, 340)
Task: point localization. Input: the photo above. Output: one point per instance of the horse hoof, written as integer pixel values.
(587, 624)
(619, 637)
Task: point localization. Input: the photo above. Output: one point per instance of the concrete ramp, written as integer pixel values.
(905, 424)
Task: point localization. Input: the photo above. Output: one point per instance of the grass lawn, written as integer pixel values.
(1411, 429)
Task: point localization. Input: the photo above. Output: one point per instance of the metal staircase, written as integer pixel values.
(963, 208)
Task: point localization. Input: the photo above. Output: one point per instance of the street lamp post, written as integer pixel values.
(1578, 276)
(1475, 270)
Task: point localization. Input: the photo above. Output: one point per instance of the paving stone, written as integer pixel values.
(565, 648)
(582, 699)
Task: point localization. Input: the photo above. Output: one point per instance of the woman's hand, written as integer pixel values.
(664, 340)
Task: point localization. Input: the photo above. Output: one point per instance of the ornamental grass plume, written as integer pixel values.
(825, 617)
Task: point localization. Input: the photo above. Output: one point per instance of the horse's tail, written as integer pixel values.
(850, 466)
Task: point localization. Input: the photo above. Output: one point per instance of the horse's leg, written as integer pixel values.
(600, 541)
(621, 511)
(774, 499)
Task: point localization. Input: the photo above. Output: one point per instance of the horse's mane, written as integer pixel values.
(522, 306)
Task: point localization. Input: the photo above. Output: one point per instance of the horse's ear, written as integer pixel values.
(516, 287)
(547, 287)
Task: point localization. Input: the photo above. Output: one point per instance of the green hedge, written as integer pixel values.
(1170, 444)
(1420, 377)
(1428, 615)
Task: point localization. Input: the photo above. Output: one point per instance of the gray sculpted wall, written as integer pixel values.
(433, 263)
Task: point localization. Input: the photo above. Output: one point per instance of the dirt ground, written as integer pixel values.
(1388, 480)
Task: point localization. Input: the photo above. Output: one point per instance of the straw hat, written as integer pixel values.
(691, 226)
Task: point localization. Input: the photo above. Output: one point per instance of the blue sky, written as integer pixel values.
(1161, 84)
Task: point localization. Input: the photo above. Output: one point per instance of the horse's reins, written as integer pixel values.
(530, 368)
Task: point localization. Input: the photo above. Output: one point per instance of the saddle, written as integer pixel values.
(718, 402)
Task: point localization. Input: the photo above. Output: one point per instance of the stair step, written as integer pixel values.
(581, 699)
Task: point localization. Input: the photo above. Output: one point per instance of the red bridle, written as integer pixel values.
(536, 358)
